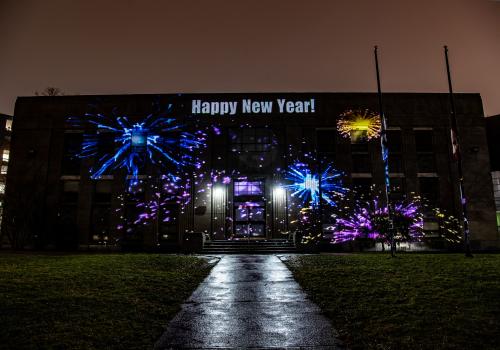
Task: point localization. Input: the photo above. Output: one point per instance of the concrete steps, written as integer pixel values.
(243, 246)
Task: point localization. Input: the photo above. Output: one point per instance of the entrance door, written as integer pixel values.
(249, 219)
(249, 209)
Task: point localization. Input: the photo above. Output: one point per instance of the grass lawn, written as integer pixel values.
(412, 302)
(92, 301)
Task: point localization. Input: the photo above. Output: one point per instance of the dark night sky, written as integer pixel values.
(146, 46)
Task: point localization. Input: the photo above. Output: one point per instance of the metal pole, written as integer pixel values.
(455, 143)
(385, 153)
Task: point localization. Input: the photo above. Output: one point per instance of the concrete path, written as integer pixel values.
(249, 301)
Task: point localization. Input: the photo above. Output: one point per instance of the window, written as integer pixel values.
(361, 160)
(70, 192)
(100, 223)
(251, 140)
(325, 140)
(167, 222)
(101, 211)
(8, 124)
(103, 191)
(2, 187)
(397, 187)
(248, 188)
(429, 189)
(3, 169)
(395, 146)
(362, 186)
(71, 148)
(5, 155)
(424, 146)
(106, 145)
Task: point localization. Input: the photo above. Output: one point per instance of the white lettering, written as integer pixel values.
(307, 104)
(196, 107)
(281, 104)
(214, 108)
(232, 107)
(249, 106)
(299, 107)
(246, 106)
(255, 107)
(205, 108)
(224, 108)
(267, 107)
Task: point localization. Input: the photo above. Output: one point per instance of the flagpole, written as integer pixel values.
(455, 143)
(385, 153)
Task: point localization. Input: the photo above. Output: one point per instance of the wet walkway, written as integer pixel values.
(249, 301)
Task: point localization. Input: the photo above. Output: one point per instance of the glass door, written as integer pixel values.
(249, 219)
(249, 209)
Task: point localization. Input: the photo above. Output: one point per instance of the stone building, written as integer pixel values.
(250, 139)
(493, 133)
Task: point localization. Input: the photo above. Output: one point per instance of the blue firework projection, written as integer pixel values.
(307, 185)
(117, 142)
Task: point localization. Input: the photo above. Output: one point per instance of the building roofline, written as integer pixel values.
(339, 93)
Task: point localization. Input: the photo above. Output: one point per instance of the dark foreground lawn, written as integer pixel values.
(91, 301)
(412, 302)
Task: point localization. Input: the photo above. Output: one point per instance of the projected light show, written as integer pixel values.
(157, 139)
(359, 123)
(310, 187)
(371, 220)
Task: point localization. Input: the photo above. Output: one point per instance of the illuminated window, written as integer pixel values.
(3, 170)
(248, 188)
(8, 125)
(2, 187)
(5, 155)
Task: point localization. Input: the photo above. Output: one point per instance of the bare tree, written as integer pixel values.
(50, 91)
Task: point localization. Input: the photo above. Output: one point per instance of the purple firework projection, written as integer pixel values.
(178, 190)
(169, 190)
(371, 220)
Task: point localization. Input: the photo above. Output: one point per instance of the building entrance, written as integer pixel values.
(249, 219)
(249, 209)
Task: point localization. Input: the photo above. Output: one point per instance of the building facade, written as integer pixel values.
(239, 189)
(5, 131)
(493, 133)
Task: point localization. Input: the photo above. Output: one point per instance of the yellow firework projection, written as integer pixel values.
(353, 123)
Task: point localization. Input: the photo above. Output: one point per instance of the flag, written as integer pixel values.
(455, 149)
